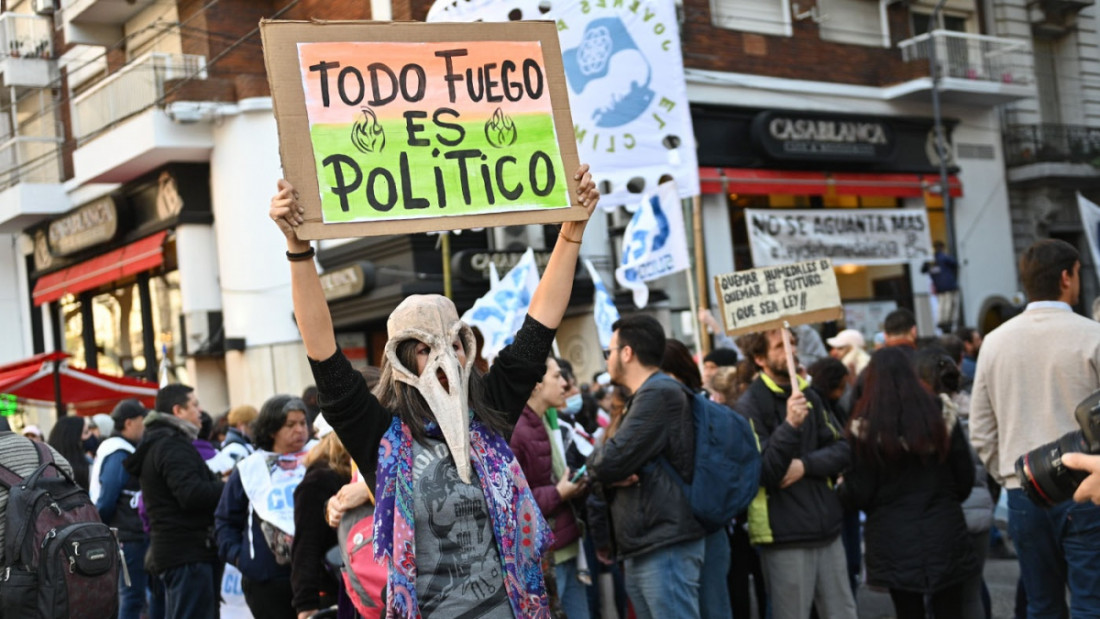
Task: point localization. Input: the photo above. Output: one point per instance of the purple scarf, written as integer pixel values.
(519, 528)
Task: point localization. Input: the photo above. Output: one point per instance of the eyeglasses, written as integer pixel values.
(607, 352)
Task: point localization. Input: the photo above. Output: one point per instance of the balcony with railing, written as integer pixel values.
(1052, 151)
(30, 173)
(135, 88)
(974, 69)
(26, 50)
(122, 124)
(101, 12)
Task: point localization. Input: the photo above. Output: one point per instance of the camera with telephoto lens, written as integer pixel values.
(1044, 478)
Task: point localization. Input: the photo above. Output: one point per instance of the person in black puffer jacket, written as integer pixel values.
(180, 495)
(910, 472)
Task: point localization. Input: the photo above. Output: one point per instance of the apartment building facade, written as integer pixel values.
(141, 151)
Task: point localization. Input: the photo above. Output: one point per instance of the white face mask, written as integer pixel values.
(573, 404)
(433, 321)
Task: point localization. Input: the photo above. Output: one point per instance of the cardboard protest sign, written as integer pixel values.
(765, 298)
(847, 236)
(388, 128)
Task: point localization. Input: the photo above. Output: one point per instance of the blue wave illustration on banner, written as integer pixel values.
(608, 60)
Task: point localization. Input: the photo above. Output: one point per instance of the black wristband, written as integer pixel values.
(301, 256)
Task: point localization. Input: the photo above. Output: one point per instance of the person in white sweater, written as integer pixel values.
(1033, 371)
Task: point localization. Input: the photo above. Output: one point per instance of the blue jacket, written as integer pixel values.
(116, 507)
(944, 272)
(231, 519)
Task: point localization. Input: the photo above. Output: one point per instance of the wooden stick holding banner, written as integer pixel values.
(791, 371)
(700, 269)
(778, 297)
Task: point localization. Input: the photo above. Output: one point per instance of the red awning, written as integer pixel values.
(88, 391)
(753, 181)
(148, 253)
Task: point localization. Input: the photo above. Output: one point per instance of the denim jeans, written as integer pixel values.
(665, 582)
(1057, 547)
(572, 592)
(192, 591)
(714, 593)
(131, 600)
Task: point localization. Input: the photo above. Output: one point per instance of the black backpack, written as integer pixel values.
(61, 561)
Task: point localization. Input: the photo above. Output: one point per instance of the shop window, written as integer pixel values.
(857, 22)
(763, 16)
(164, 290)
(119, 329)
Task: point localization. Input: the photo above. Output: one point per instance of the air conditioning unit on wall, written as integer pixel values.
(44, 7)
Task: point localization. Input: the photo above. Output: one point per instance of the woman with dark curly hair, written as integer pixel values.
(255, 517)
(679, 364)
(67, 437)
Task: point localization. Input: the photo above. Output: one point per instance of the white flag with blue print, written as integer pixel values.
(603, 306)
(499, 314)
(624, 70)
(654, 244)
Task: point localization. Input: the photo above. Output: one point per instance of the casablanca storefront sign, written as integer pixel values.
(87, 226)
(794, 136)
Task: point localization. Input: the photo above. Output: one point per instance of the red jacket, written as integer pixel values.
(531, 444)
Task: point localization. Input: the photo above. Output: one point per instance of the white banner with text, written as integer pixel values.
(845, 236)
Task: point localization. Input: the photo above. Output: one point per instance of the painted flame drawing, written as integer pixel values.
(367, 133)
(500, 131)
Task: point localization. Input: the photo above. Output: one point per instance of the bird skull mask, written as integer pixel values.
(433, 321)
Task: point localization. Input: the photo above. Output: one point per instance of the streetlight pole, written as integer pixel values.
(941, 139)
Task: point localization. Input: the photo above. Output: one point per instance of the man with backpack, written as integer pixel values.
(58, 559)
(795, 519)
(180, 495)
(655, 530)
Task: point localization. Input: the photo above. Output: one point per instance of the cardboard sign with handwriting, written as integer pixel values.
(389, 128)
(762, 299)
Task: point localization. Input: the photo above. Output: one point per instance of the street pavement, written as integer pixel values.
(1000, 577)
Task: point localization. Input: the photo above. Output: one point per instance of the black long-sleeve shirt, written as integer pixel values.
(361, 421)
(309, 578)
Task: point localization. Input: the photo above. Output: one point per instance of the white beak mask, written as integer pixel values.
(433, 320)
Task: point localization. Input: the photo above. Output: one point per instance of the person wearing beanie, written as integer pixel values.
(238, 443)
(114, 492)
(715, 360)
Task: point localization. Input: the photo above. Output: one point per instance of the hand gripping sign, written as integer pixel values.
(779, 296)
(389, 128)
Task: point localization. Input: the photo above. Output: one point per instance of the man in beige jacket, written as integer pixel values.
(1033, 371)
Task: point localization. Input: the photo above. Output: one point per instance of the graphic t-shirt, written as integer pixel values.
(458, 567)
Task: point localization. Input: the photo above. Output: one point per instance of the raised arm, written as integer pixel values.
(310, 307)
(552, 296)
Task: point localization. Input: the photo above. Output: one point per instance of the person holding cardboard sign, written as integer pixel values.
(796, 518)
(453, 506)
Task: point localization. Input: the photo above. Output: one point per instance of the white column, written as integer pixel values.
(254, 276)
(12, 301)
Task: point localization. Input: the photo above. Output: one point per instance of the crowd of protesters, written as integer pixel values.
(440, 486)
